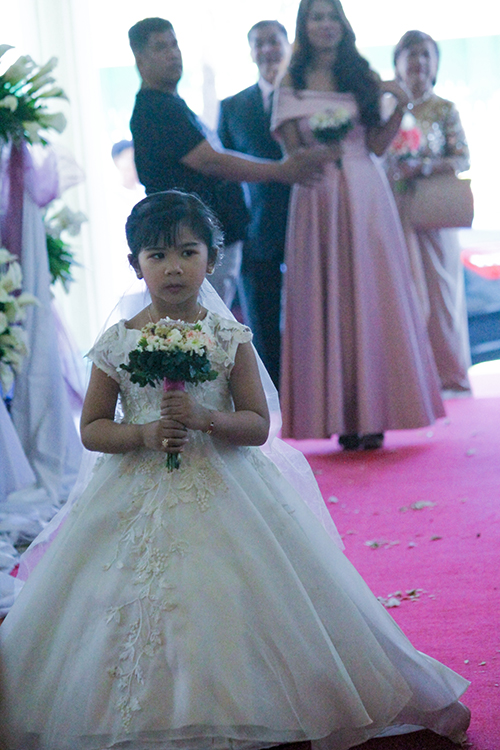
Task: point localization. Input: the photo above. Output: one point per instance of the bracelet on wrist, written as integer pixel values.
(210, 428)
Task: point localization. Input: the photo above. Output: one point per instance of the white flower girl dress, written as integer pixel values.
(204, 608)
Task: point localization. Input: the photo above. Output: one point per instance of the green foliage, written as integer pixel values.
(60, 261)
(149, 368)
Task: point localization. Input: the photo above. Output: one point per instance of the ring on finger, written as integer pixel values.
(164, 442)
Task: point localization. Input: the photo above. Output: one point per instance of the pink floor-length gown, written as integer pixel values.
(355, 355)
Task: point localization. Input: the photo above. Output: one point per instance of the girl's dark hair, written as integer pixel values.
(409, 39)
(158, 217)
(351, 71)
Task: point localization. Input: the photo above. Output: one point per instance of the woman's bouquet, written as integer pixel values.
(13, 303)
(408, 140)
(405, 148)
(172, 352)
(331, 126)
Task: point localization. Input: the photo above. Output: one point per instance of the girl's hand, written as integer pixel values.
(156, 434)
(182, 408)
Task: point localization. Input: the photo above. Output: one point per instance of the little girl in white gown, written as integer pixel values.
(208, 606)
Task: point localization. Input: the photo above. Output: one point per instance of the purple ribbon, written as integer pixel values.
(20, 170)
(11, 219)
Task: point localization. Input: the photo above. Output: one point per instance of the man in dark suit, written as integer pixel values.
(244, 126)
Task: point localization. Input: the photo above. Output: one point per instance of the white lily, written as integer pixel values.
(66, 220)
(57, 121)
(32, 127)
(12, 310)
(43, 70)
(26, 299)
(19, 70)
(11, 281)
(5, 48)
(39, 84)
(56, 92)
(6, 256)
(6, 377)
(9, 102)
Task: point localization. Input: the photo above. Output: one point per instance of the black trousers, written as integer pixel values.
(260, 297)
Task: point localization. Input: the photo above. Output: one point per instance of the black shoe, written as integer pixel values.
(373, 441)
(350, 442)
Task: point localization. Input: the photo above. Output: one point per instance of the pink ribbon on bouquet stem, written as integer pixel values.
(173, 459)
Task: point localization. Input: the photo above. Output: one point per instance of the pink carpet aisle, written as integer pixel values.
(445, 549)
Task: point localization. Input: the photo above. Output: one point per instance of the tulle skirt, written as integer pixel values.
(206, 607)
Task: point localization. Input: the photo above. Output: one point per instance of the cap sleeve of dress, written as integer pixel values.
(229, 334)
(111, 350)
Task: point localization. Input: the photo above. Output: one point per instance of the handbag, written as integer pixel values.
(440, 201)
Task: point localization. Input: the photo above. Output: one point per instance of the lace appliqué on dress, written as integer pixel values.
(146, 547)
(148, 542)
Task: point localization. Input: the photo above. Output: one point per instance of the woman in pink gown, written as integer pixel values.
(356, 357)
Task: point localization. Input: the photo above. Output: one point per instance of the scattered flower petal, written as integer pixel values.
(332, 500)
(397, 597)
(435, 537)
(417, 506)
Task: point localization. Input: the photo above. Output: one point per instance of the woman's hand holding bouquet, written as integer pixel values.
(330, 127)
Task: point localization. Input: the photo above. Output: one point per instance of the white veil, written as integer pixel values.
(291, 462)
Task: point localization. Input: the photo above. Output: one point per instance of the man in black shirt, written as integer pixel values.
(172, 149)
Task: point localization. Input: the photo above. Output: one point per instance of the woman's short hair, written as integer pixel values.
(409, 39)
(158, 218)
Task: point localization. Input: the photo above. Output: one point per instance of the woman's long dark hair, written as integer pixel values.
(351, 71)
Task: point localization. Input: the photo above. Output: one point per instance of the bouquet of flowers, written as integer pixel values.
(12, 310)
(60, 255)
(408, 140)
(331, 126)
(405, 148)
(172, 352)
(25, 88)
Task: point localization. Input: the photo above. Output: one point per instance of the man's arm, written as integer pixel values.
(304, 166)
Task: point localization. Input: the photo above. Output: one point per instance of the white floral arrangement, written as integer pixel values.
(60, 220)
(172, 350)
(25, 89)
(13, 303)
(331, 125)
